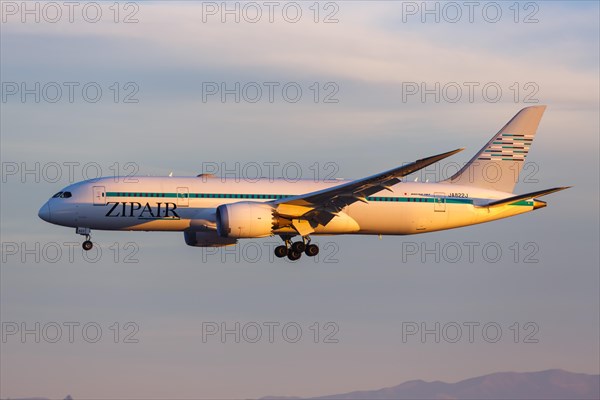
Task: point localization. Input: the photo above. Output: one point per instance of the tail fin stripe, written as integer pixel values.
(508, 146)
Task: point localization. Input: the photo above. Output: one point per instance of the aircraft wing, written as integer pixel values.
(321, 206)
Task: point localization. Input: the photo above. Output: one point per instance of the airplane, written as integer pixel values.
(215, 212)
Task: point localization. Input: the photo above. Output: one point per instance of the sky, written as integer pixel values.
(330, 89)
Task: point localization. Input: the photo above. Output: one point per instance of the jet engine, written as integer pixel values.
(245, 219)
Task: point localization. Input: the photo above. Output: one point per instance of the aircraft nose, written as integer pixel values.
(44, 212)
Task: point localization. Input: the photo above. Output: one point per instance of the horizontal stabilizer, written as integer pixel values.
(526, 196)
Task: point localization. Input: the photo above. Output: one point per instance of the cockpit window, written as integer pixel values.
(66, 195)
(62, 195)
(57, 195)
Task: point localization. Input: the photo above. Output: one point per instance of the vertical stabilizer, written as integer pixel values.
(498, 164)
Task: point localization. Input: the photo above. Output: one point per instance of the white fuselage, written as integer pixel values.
(189, 204)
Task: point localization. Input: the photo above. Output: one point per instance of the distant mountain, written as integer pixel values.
(551, 384)
(281, 398)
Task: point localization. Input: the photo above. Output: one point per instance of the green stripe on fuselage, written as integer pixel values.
(259, 196)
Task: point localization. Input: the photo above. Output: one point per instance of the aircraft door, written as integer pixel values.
(439, 202)
(183, 197)
(99, 195)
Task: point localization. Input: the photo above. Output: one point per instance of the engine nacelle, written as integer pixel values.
(207, 239)
(245, 219)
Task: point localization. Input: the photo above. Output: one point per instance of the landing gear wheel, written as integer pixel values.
(311, 250)
(87, 245)
(281, 251)
(298, 247)
(293, 255)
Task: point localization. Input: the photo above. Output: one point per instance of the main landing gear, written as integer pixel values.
(294, 251)
(87, 244)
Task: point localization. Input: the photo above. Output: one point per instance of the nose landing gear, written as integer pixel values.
(87, 244)
(294, 251)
